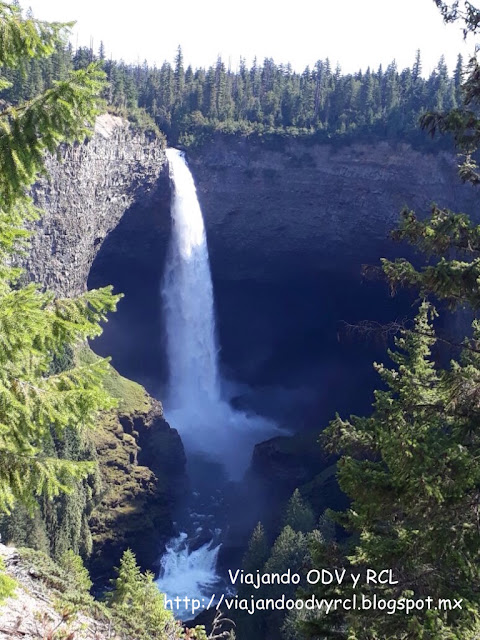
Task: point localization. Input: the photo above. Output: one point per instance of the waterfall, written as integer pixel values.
(211, 430)
(188, 298)
(194, 403)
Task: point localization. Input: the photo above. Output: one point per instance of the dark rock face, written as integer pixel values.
(288, 229)
(281, 465)
(288, 226)
(141, 458)
(132, 259)
(295, 210)
(288, 463)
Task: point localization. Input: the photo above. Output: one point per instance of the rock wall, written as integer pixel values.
(141, 458)
(142, 467)
(274, 211)
(84, 197)
(284, 209)
(289, 226)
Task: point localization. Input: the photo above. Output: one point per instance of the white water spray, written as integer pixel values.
(194, 404)
(188, 574)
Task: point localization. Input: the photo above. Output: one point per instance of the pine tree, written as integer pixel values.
(139, 605)
(265, 97)
(179, 75)
(289, 553)
(411, 472)
(417, 67)
(76, 571)
(464, 11)
(35, 327)
(252, 626)
(257, 552)
(299, 516)
(127, 584)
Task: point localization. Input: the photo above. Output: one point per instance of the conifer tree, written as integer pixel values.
(266, 98)
(411, 472)
(36, 327)
(252, 626)
(290, 552)
(76, 571)
(127, 584)
(299, 515)
(179, 75)
(417, 67)
(257, 552)
(138, 603)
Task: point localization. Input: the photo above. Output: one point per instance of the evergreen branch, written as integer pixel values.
(390, 329)
(22, 38)
(61, 114)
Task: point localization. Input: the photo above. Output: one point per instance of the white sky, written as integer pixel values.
(356, 33)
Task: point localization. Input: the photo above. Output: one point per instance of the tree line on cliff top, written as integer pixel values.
(187, 104)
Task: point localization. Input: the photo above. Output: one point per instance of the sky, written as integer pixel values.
(355, 33)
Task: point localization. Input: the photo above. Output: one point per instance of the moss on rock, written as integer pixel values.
(138, 488)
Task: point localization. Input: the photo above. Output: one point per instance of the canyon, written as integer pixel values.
(289, 225)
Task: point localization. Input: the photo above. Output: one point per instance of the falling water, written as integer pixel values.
(186, 573)
(188, 298)
(194, 403)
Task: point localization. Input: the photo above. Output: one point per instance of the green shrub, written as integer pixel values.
(7, 584)
(68, 579)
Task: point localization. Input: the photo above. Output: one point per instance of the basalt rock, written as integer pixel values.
(290, 209)
(141, 458)
(289, 226)
(84, 197)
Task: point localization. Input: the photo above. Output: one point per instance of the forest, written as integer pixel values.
(187, 104)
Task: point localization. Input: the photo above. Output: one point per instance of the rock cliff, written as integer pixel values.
(141, 459)
(286, 209)
(289, 225)
(85, 195)
(142, 475)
